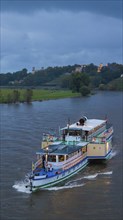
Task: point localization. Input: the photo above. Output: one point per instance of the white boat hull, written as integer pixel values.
(50, 181)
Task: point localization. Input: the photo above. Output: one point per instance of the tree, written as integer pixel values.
(78, 80)
(15, 96)
(65, 81)
(28, 95)
(9, 98)
(102, 87)
(1, 96)
(84, 90)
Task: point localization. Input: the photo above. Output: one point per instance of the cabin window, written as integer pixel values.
(73, 132)
(69, 156)
(37, 174)
(52, 158)
(39, 156)
(61, 158)
(79, 151)
(84, 149)
(75, 153)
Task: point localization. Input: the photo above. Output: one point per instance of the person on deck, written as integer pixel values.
(43, 160)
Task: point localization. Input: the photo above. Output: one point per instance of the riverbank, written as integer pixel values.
(37, 94)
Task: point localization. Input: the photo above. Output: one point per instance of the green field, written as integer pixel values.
(38, 94)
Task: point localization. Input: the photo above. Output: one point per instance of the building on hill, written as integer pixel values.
(33, 70)
(80, 68)
(100, 68)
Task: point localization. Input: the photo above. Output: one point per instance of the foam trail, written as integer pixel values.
(70, 182)
(113, 154)
(66, 187)
(106, 173)
(91, 176)
(20, 187)
(81, 178)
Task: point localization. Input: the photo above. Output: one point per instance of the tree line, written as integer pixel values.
(15, 96)
(66, 77)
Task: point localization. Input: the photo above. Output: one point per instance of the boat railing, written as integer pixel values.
(98, 140)
(110, 131)
(36, 164)
(49, 137)
(74, 162)
(102, 138)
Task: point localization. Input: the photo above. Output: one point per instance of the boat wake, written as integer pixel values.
(20, 186)
(79, 182)
(113, 154)
(65, 187)
(106, 173)
(90, 177)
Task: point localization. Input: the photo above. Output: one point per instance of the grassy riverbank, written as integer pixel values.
(38, 94)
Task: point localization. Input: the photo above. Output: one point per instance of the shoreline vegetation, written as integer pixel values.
(59, 82)
(29, 95)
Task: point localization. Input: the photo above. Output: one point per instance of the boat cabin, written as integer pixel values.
(56, 155)
(83, 130)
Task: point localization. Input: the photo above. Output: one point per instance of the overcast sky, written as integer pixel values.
(56, 33)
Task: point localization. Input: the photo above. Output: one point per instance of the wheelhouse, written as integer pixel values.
(83, 131)
(59, 154)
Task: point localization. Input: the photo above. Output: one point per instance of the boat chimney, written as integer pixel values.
(82, 120)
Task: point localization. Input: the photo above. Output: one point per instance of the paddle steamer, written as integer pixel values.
(61, 157)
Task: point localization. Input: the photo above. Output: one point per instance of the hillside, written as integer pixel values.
(115, 85)
(68, 77)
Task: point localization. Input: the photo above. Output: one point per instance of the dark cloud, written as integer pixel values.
(107, 7)
(59, 33)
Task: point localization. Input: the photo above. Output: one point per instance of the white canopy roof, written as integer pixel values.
(89, 125)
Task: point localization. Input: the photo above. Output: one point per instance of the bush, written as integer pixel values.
(84, 90)
(28, 95)
(102, 86)
(15, 96)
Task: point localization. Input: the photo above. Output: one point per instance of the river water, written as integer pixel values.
(95, 193)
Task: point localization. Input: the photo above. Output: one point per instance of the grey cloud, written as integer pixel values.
(107, 7)
(50, 38)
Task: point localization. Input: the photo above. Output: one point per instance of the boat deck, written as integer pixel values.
(43, 172)
(106, 133)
